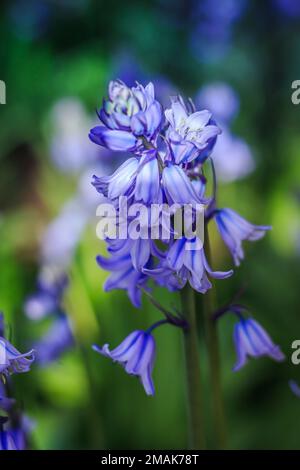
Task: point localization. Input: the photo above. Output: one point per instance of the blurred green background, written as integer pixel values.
(53, 52)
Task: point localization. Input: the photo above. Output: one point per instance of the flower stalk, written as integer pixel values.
(193, 378)
(212, 343)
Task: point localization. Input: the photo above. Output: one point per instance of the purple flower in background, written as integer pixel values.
(70, 150)
(232, 157)
(234, 229)
(294, 388)
(211, 36)
(128, 116)
(56, 341)
(136, 354)
(12, 361)
(190, 135)
(221, 99)
(290, 8)
(47, 298)
(251, 340)
(47, 302)
(63, 233)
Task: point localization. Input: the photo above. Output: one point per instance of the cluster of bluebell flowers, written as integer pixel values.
(169, 153)
(13, 425)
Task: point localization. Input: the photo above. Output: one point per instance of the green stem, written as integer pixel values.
(194, 395)
(211, 333)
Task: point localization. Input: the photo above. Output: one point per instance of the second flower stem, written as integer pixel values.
(194, 392)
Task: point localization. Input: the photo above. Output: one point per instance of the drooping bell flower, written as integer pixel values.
(136, 354)
(123, 276)
(252, 340)
(187, 259)
(138, 177)
(234, 229)
(178, 188)
(12, 361)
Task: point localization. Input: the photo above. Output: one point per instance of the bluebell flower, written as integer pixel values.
(165, 276)
(187, 259)
(19, 432)
(234, 229)
(147, 186)
(121, 182)
(123, 276)
(190, 135)
(139, 250)
(178, 187)
(12, 361)
(184, 262)
(136, 354)
(138, 178)
(13, 428)
(252, 340)
(6, 439)
(47, 297)
(128, 116)
(13, 436)
(57, 340)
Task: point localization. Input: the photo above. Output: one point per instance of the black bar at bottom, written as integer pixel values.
(134, 459)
